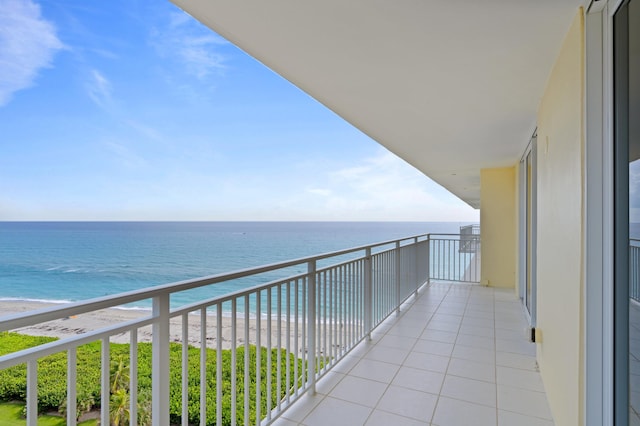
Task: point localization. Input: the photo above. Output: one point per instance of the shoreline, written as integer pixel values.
(96, 320)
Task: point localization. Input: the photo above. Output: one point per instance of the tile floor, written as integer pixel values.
(456, 356)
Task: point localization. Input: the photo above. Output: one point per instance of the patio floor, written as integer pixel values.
(456, 356)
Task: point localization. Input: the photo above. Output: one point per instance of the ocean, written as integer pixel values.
(71, 261)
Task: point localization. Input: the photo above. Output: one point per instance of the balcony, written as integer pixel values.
(456, 356)
(387, 332)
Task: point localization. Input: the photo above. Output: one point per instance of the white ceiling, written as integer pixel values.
(450, 86)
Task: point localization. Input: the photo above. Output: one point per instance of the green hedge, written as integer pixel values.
(52, 377)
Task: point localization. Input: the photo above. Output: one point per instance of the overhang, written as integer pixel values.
(451, 87)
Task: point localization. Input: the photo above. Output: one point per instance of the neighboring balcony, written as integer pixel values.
(391, 332)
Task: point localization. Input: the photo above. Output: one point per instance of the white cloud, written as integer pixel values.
(320, 191)
(99, 89)
(28, 43)
(193, 45)
(384, 187)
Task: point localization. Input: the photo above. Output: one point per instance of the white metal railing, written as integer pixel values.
(291, 330)
(455, 257)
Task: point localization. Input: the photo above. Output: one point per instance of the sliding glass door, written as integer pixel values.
(626, 127)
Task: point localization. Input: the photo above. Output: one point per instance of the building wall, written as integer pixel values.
(559, 236)
(498, 226)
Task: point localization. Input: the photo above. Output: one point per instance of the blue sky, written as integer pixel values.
(131, 110)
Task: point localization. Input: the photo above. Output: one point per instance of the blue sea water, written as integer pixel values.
(71, 261)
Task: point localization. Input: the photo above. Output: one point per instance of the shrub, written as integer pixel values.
(52, 379)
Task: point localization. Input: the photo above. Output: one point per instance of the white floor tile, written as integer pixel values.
(452, 412)
(507, 418)
(476, 341)
(420, 380)
(523, 362)
(520, 346)
(406, 330)
(477, 331)
(474, 354)
(478, 322)
(433, 347)
(429, 362)
(394, 341)
(336, 412)
(523, 401)
(281, 421)
(517, 378)
(328, 382)
(408, 403)
(375, 370)
(359, 390)
(387, 354)
(469, 390)
(382, 418)
(439, 336)
(473, 313)
(443, 326)
(472, 370)
(302, 407)
(346, 364)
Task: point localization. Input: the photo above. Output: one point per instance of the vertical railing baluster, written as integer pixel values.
(329, 352)
(417, 259)
(258, 358)
(296, 348)
(203, 366)
(288, 342)
(279, 346)
(133, 377)
(32, 392)
(323, 349)
(397, 277)
(234, 361)
(247, 365)
(311, 272)
(105, 378)
(160, 361)
(303, 339)
(428, 260)
(340, 313)
(367, 293)
(219, 363)
(269, 367)
(185, 369)
(72, 378)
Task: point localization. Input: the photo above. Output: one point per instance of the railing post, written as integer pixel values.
(417, 265)
(32, 393)
(367, 292)
(160, 361)
(398, 295)
(311, 333)
(428, 258)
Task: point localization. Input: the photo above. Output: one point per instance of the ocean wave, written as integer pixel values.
(132, 308)
(26, 299)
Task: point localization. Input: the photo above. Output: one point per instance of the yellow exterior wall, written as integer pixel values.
(498, 226)
(559, 234)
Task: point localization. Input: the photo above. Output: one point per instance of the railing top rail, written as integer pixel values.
(25, 319)
(453, 235)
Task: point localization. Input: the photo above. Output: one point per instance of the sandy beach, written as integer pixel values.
(96, 320)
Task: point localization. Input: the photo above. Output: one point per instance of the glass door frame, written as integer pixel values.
(528, 229)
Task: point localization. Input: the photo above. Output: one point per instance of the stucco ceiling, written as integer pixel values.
(451, 87)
